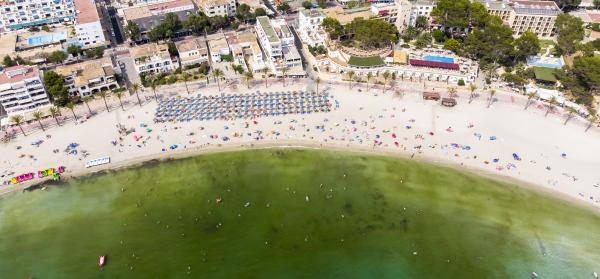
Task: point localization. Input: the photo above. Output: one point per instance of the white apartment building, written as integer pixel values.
(309, 26)
(277, 43)
(535, 16)
(152, 58)
(88, 29)
(22, 90)
(420, 8)
(89, 77)
(245, 50)
(19, 14)
(217, 7)
(192, 51)
(217, 46)
(386, 11)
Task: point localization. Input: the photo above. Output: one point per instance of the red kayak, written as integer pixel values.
(101, 261)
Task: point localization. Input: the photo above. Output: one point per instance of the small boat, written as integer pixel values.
(595, 275)
(101, 261)
(534, 275)
(219, 199)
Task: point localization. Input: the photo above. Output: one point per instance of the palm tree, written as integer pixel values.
(350, 77)
(186, 78)
(248, 76)
(119, 95)
(452, 91)
(284, 72)
(54, 111)
(71, 106)
(530, 96)
(217, 74)
(491, 100)
(592, 118)
(386, 77)
(18, 120)
(265, 71)
(153, 85)
(551, 104)
(103, 95)
(570, 111)
(472, 88)
(37, 116)
(369, 77)
(135, 88)
(317, 81)
(86, 100)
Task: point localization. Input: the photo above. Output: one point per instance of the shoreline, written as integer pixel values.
(300, 145)
(366, 123)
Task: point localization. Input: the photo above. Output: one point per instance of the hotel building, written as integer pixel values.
(89, 77)
(22, 90)
(538, 17)
(217, 7)
(88, 29)
(152, 58)
(19, 14)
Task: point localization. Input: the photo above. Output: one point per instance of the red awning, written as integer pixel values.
(433, 64)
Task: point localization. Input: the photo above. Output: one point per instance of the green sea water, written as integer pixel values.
(294, 214)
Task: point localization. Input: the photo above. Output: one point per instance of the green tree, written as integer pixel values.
(38, 116)
(491, 100)
(171, 24)
(570, 32)
(530, 96)
(119, 95)
(386, 76)
(71, 106)
(8, 62)
(104, 94)
(198, 23)
(567, 4)
(243, 12)
(186, 77)
(422, 23)
(551, 103)
(57, 57)
(18, 120)
(596, 4)
(74, 50)
(132, 30)
(153, 85)
(456, 15)
(54, 112)
(317, 82)
(438, 35)
(350, 78)
(135, 88)
(333, 27)
(55, 86)
(284, 72)
(307, 4)
(494, 44)
(453, 45)
(423, 41)
(217, 74)
(526, 45)
(592, 118)
(259, 12)
(409, 34)
(369, 77)
(248, 76)
(86, 100)
(371, 33)
(570, 112)
(265, 71)
(284, 7)
(322, 4)
(472, 88)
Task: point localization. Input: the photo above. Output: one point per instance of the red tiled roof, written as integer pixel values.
(433, 64)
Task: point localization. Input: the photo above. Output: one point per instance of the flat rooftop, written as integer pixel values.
(191, 44)
(18, 73)
(536, 7)
(312, 12)
(86, 11)
(88, 70)
(265, 23)
(149, 50)
(347, 16)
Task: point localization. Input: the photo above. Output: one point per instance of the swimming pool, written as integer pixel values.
(46, 38)
(442, 59)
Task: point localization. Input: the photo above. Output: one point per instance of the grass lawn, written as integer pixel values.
(365, 61)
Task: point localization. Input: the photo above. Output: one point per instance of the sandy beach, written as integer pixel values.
(558, 157)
